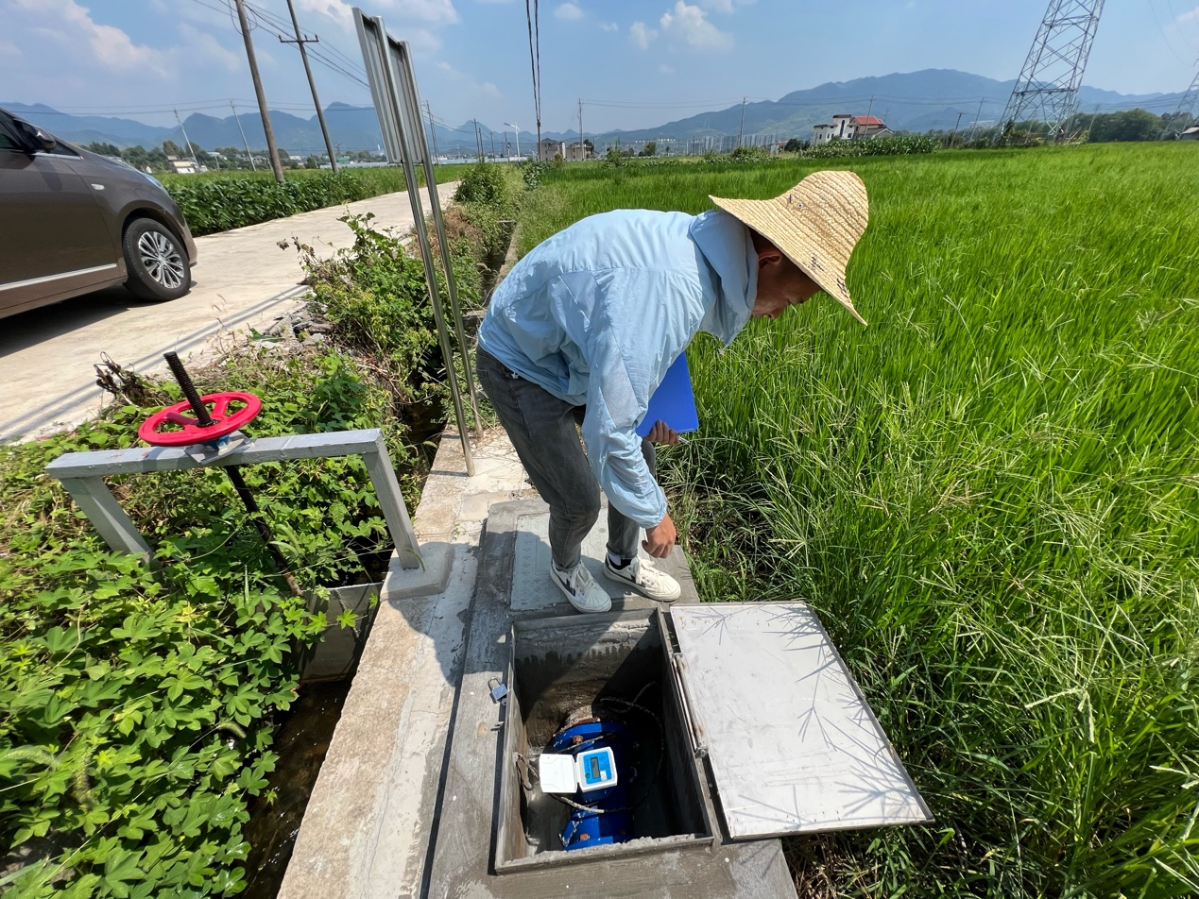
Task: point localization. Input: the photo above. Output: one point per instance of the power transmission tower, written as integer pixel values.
(1188, 109)
(266, 116)
(300, 41)
(1047, 89)
(582, 149)
(741, 129)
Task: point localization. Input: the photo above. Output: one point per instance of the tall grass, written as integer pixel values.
(991, 495)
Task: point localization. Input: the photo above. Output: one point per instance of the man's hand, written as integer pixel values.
(660, 539)
(662, 433)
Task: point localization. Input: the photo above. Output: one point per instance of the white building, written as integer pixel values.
(845, 126)
(576, 153)
(548, 149)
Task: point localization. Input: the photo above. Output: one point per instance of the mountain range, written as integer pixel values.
(914, 101)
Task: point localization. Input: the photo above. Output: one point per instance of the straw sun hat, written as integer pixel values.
(815, 224)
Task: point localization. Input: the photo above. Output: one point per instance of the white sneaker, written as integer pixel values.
(647, 580)
(581, 589)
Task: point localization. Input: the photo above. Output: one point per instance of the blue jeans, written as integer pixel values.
(544, 431)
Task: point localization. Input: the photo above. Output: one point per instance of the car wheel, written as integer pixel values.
(156, 261)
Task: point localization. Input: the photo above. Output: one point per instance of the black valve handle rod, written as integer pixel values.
(234, 472)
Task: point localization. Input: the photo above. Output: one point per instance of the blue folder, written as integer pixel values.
(673, 402)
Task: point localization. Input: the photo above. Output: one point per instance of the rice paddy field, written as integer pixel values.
(991, 496)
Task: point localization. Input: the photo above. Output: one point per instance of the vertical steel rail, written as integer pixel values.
(407, 152)
(417, 131)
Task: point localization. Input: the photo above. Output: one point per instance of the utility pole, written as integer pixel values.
(300, 41)
(976, 115)
(266, 116)
(955, 130)
(190, 151)
(870, 107)
(741, 130)
(253, 168)
(432, 128)
(582, 149)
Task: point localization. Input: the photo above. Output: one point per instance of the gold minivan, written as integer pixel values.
(72, 221)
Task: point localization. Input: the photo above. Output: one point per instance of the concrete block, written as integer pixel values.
(403, 583)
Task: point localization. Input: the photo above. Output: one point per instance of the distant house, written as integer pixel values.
(846, 126)
(867, 126)
(548, 149)
(1190, 134)
(823, 133)
(182, 166)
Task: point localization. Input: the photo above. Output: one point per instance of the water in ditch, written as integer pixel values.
(301, 742)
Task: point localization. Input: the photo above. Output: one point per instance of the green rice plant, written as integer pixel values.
(991, 495)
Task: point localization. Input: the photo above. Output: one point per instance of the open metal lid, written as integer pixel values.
(791, 741)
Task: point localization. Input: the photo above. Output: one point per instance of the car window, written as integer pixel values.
(8, 136)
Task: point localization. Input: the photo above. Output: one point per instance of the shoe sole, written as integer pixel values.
(628, 584)
(571, 599)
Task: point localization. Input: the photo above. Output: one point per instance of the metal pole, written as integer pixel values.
(404, 102)
(300, 41)
(190, 151)
(443, 245)
(272, 150)
(432, 129)
(253, 168)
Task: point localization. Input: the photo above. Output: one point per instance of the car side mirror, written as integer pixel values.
(45, 141)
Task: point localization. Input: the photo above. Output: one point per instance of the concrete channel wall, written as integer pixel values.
(367, 829)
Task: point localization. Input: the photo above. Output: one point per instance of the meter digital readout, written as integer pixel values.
(596, 769)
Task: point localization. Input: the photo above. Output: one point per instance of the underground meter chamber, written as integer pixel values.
(653, 731)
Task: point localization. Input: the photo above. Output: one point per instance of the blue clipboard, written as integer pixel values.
(673, 402)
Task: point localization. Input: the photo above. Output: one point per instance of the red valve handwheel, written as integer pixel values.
(224, 422)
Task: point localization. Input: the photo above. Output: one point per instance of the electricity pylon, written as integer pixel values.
(1188, 110)
(1047, 89)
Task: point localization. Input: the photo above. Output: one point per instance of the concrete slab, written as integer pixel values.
(532, 590)
(243, 279)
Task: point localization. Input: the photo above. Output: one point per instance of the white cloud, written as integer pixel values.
(8, 48)
(690, 25)
(609, 26)
(476, 90)
(725, 6)
(110, 47)
(208, 46)
(337, 10)
(568, 11)
(641, 35)
(665, 69)
(1192, 16)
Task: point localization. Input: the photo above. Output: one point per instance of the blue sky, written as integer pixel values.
(138, 58)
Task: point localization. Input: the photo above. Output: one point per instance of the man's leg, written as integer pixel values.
(542, 430)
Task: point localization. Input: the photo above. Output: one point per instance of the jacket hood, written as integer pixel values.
(728, 249)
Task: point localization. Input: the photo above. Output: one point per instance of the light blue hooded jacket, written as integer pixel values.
(597, 313)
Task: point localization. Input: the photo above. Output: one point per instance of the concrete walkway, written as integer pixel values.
(242, 280)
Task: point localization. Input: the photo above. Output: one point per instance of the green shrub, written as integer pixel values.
(225, 203)
(485, 184)
(139, 700)
(899, 145)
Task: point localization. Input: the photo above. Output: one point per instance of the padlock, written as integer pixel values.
(499, 692)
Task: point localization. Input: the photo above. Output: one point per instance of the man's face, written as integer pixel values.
(780, 284)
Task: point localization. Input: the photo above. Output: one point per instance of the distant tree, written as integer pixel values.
(170, 148)
(1125, 125)
(794, 145)
(103, 148)
(589, 147)
(650, 148)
